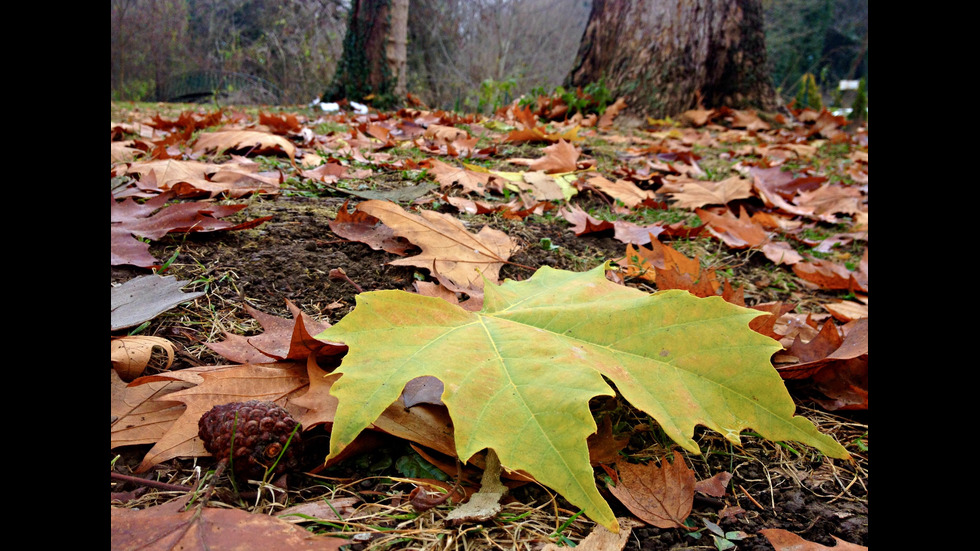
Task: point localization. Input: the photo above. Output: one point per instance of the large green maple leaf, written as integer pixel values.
(519, 374)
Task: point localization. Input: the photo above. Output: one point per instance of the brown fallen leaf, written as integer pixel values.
(845, 385)
(248, 141)
(611, 112)
(698, 193)
(460, 260)
(141, 414)
(219, 385)
(168, 527)
(658, 495)
(780, 252)
(829, 275)
(559, 157)
(847, 310)
(283, 339)
(321, 510)
(601, 539)
(737, 233)
(622, 190)
(830, 199)
(583, 222)
(234, 178)
(154, 219)
(647, 263)
(604, 446)
(715, 486)
(364, 228)
(783, 540)
(471, 181)
(130, 355)
(123, 152)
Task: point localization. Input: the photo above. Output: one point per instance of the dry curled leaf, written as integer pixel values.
(129, 356)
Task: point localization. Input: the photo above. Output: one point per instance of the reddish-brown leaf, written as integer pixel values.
(283, 339)
(362, 227)
(829, 275)
(128, 218)
(604, 446)
(582, 222)
(845, 384)
(658, 495)
(782, 540)
(715, 486)
(167, 527)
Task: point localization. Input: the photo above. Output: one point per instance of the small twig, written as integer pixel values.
(340, 274)
(757, 504)
(150, 483)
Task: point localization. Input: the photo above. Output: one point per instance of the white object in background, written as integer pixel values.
(360, 109)
(331, 107)
(849, 84)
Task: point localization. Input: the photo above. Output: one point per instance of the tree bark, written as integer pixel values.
(374, 58)
(663, 55)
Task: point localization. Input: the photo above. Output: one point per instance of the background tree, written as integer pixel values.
(461, 53)
(661, 55)
(828, 38)
(463, 50)
(374, 59)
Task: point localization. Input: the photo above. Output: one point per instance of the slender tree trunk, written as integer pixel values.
(663, 55)
(374, 58)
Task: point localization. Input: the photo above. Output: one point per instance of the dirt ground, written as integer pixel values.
(290, 257)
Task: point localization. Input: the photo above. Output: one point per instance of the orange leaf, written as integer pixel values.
(828, 275)
(559, 157)
(738, 233)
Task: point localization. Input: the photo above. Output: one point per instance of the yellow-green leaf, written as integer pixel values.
(519, 374)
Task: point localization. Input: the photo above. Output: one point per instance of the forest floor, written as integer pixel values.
(291, 257)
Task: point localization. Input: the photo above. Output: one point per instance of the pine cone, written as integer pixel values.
(260, 431)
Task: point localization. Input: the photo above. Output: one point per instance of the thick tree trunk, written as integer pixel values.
(662, 55)
(374, 58)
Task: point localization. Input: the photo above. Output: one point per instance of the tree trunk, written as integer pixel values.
(374, 58)
(660, 55)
